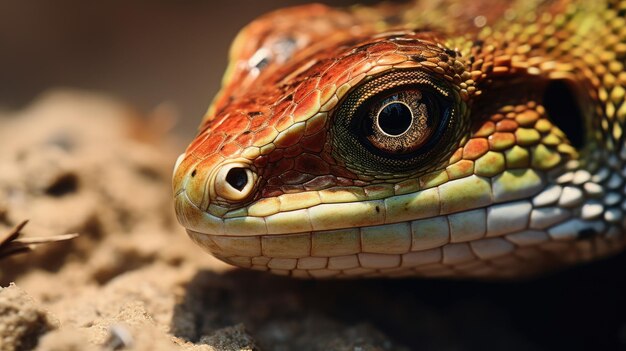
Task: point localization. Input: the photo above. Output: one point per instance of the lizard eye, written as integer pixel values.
(401, 122)
(396, 122)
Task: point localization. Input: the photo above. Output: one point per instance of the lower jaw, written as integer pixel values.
(339, 254)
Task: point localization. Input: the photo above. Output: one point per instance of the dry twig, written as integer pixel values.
(13, 243)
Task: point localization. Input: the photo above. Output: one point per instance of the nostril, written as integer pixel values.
(234, 181)
(237, 178)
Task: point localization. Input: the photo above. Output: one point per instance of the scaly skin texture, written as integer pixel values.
(505, 193)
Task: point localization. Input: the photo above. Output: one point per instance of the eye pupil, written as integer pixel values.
(237, 178)
(395, 119)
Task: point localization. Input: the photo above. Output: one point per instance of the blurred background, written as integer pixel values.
(145, 51)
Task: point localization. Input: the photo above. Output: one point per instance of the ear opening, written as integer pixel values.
(563, 108)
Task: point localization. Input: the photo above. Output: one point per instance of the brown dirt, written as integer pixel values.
(77, 162)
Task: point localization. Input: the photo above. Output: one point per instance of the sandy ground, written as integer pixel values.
(74, 162)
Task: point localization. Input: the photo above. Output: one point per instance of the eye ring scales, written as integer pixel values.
(402, 121)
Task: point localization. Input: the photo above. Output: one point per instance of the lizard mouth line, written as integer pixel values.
(395, 214)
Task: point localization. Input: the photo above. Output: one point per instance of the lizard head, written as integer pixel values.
(357, 142)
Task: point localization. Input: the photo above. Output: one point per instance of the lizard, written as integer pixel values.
(448, 138)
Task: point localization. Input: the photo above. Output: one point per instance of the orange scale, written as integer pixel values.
(460, 169)
(289, 109)
(313, 126)
(457, 155)
(381, 47)
(391, 59)
(427, 64)
(229, 150)
(475, 148)
(281, 109)
(210, 145)
(343, 78)
(308, 106)
(327, 92)
(320, 67)
(245, 139)
(289, 138)
(520, 108)
(507, 125)
(411, 50)
(264, 136)
(257, 122)
(196, 142)
(352, 59)
(363, 67)
(209, 163)
(497, 117)
(501, 141)
(527, 118)
(305, 88)
(235, 124)
(311, 164)
(330, 75)
(485, 130)
(283, 123)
